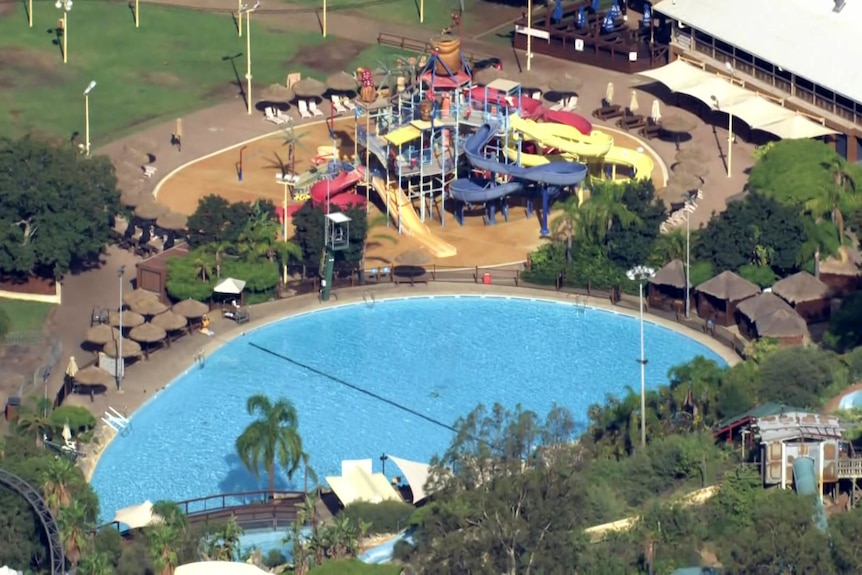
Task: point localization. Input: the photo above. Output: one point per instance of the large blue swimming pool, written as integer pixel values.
(438, 356)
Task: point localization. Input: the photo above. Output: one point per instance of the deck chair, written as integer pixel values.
(303, 109)
(339, 107)
(269, 116)
(287, 118)
(537, 95)
(348, 103)
(149, 171)
(312, 107)
(559, 105)
(571, 104)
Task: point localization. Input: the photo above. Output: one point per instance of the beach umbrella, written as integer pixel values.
(66, 434)
(609, 93)
(277, 93)
(131, 297)
(608, 23)
(150, 210)
(488, 75)
(558, 11)
(72, 368)
(170, 321)
(309, 88)
(633, 104)
(130, 319)
(190, 308)
(93, 375)
(342, 82)
(172, 221)
(615, 11)
(148, 307)
(130, 348)
(147, 334)
(581, 20)
(413, 258)
(691, 154)
(102, 334)
(686, 182)
(133, 198)
(647, 19)
(698, 169)
(655, 111)
(596, 4)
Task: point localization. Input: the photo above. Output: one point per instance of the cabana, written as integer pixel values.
(810, 297)
(755, 308)
(718, 298)
(666, 288)
(233, 287)
(784, 326)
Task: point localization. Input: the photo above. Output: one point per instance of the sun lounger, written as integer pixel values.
(303, 109)
(287, 118)
(571, 104)
(312, 107)
(559, 105)
(537, 95)
(269, 116)
(149, 171)
(632, 122)
(339, 107)
(348, 103)
(608, 112)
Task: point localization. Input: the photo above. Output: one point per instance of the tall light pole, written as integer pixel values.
(89, 89)
(30, 13)
(323, 23)
(687, 257)
(239, 8)
(137, 13)
(529, 34)
(66, 7)
(247, 11)
(641, 274)
(120, 361)
(717, 104)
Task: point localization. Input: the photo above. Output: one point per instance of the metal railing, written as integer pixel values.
(251, 509)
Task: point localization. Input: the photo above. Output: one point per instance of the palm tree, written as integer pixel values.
(225, 546)
(291, 140)
(377, 238)
(56, 480)
(163, 540)
(202, 268)
(567, 223)
(217, 249)
(172, 515)
(669, 246)
(272, 438)
(37, 419)
(840, 196)
(74, 530)
(605, 207)
(95, 563)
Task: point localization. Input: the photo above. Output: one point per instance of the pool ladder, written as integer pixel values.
(200, 358)
(369, 298)
(116, 420)
(580, 304)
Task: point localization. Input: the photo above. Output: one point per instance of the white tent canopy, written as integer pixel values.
(416, 474)
(357, 484)
(719, 93)
(219, 568)
(230, 286)
(6, 570)
(137, 516)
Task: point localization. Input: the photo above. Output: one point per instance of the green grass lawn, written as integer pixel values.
(25, 315)
(171, 65)
(437, 12)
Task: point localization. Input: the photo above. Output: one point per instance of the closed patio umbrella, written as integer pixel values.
(130, 319)
(93, 375)
(309, 88)
(609, 93)
(147, 334)
(633, 103)
(72, 368)
(148, 307)
(150, 210)
(655, 111)
(130, 348)
(102, 334)
(190, 308)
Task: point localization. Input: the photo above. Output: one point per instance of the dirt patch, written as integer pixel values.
(161, 78)
(33, 285)
(7, 8)
(25, 67)
(333, 56)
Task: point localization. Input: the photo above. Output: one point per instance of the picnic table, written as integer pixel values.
(608, 112)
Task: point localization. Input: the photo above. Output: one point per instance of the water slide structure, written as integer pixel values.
(333, 189)
(550, 176)
(805, 482)
(574, 143)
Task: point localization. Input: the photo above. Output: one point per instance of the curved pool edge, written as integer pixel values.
(272, 312)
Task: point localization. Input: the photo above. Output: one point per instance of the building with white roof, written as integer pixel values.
(799, 53)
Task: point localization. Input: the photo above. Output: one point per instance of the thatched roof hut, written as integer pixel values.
(784, 325)
(718, 297)
(666, 288)
(810, 297)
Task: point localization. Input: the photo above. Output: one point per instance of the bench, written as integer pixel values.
(608, 112)
(632, 122)
(149, 171)
(651, 130)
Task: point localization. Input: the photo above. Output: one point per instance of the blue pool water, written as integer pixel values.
(438, 356)
(852, 400)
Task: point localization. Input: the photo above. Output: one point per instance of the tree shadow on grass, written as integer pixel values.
(237, 77)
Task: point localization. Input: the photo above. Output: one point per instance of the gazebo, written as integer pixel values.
(754, 309)
(666, 288)
(718, 298)
(810, 297)
(784, 325)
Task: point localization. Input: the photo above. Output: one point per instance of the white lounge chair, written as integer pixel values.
(284, 116)
(559, 105)
(339, 107)
(348, 103)
(537, 95)
(699, 194)
(303, 109)
(149, 171)
(312, 107)
(270, 116)
(571, 104)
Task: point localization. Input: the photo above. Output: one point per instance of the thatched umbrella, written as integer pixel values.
(309, 88)
(172, 221)
(488, 75)
(147, 334)
(93, 376)
(131, 297)
(729, 287)
(130, 319)
(132, 199)
(102, 334)
(277, 93)
(691, 154)
(130, 348)
(342, 82)
(170, 321)
(148, 307)
(190, 309)
(697, 169)
(413, 258)
(686, 182)
(150, 210)
(671, 275)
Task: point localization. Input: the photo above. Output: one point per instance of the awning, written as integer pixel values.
(230, 286)
(137, 516)
(219, 568)
(416, 475)
(359, 485)
(402, 135)
(720, 94)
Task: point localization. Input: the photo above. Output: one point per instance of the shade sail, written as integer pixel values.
(230, 286)
(717, 93)
(137, 516)
(219, 568)
(757, 111)
(678, 75)
(796, 127)
(359, 485)
(416, 474)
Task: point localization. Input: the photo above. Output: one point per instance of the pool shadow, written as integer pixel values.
(239, 479)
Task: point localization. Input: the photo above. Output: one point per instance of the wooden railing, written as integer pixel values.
(850, 468)
(251, 509)
(420, 46)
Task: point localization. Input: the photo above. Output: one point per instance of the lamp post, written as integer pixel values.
(687, 257)
(641, 274)
(717, 104)
(247, 11)
(66, 7)
(120, 362)
(30, 13)
(383, 459)
(89, 89)
(239, 8)
(137, 13)
(529, 34)
(323, 23)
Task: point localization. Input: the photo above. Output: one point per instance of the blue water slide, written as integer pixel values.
(805, 481)
(551, 176)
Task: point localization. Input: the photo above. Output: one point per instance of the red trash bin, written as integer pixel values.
(486, 279)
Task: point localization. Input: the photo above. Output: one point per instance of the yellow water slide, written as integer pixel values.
(397, 203)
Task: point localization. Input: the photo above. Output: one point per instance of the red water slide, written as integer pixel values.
(331, 187)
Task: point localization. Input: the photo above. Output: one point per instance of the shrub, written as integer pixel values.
(384, 517)
(79, 419)
(353, 567)
(274, 558)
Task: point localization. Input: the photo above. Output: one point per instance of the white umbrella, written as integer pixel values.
(72, 368)
(67, 433)
(633, 105)
(137, 516)
(609, 93)
(655, 112)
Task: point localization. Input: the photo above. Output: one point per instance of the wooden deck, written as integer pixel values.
(252, 510)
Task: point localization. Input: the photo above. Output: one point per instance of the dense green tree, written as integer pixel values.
(799, 377)
(845, 325)
(216, 220)
(631, 241)
(845, 529)
(271, 439)
(56, 209)
(309, 225)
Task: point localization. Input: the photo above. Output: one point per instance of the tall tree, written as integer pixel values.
(95, 563)
(273, 438)
(56, 483)
(75, 528)
(837, 196)
(164, 541)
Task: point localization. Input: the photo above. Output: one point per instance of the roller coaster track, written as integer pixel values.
(52, 530)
